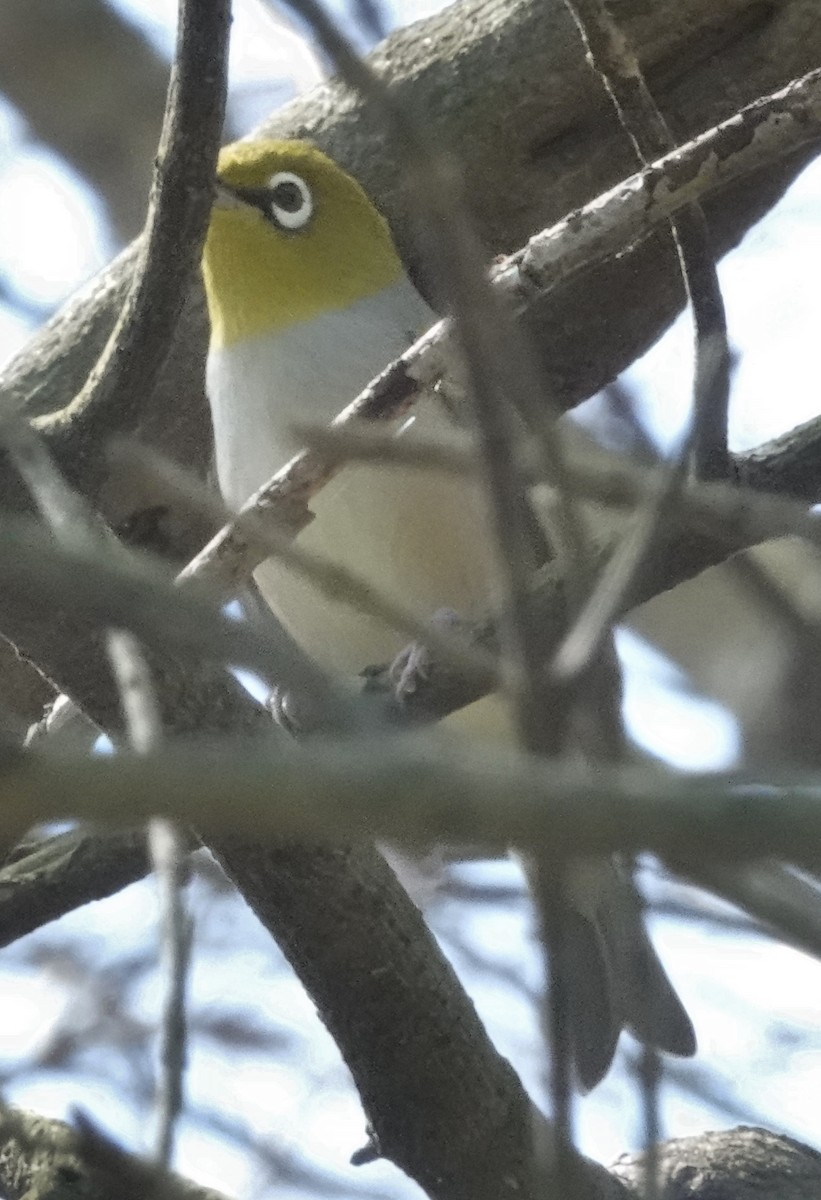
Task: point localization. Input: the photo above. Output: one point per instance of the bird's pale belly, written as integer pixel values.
(418, 537)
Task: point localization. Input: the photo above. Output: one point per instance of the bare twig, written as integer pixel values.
(546, 878)
(649, 1073)
(613, 57)
(140, 709)
(594, 623)
(168, 850)
(77, 868)
(736, 515)
(126, 593)
(768, 892)
(767, 129)
(65, 511)
(620, 418)
(170, 858)
(742, 514)
(178, 215)
(72, 869)
(649, 1070)
(65, 872)
(464, 794)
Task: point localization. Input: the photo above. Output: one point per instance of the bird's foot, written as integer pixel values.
(412, 666)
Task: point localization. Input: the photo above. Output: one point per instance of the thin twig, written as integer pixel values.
(70, 517)
(618, 401)
(757, 135)
(547, 884)
(76, 526)
(178, 214)
(624, 810)
(769, 892)
(127, 593)
(612, 56)
(649, 1072)
(743, 514)
(438, 793)
(170, 858)
(139, 701)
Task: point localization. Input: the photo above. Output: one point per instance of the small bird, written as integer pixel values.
(308, 300)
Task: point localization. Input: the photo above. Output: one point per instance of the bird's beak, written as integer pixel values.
(225, 197)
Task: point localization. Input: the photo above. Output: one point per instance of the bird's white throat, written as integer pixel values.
(260, 388)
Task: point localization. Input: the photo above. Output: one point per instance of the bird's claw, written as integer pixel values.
(412, 665)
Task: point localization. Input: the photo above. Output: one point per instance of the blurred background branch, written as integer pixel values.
(112, 84)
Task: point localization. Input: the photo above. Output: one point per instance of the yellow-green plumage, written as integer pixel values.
(259, 278)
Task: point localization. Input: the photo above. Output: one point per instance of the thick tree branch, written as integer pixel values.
(42, 1159)
(419, 793)
(171, 247)
(556, 152)
(739, 1164)
(64, 873)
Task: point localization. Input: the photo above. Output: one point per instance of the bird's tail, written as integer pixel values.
(612, 976)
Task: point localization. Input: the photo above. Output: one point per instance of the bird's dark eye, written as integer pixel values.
(290, 199)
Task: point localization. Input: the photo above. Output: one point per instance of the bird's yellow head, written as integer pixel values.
(291, 236)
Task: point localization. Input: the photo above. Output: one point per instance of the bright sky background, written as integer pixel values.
(52, 238)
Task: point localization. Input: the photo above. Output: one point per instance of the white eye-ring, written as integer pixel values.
(291, 202)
